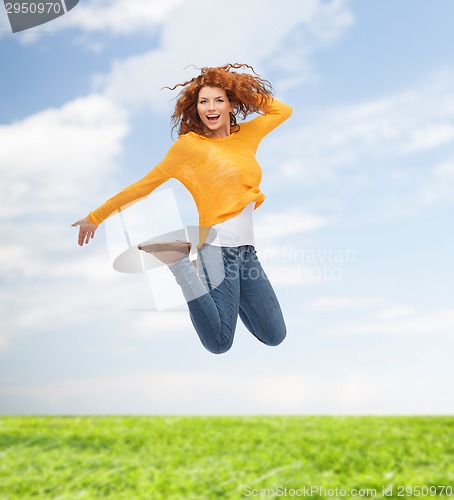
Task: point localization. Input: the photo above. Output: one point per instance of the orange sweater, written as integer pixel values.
(222, 174)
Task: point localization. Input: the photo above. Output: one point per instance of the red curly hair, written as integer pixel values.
(244, 91)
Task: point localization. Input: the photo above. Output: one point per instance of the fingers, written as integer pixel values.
(83, 239)
(85, 236)
(82, 236)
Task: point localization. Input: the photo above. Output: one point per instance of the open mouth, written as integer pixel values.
(212, 118)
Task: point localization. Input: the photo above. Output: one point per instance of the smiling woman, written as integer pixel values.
(245, 93)
(214, 110)
(214, 157)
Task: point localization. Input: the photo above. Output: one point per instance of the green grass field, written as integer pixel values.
(225, 457)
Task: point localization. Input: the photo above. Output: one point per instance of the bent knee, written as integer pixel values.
(218, 348)
(277, 337)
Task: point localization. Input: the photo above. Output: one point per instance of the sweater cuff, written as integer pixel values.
(91, 220)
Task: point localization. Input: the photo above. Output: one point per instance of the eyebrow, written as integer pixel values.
(219, 96)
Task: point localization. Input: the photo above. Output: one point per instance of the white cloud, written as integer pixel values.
(161, 324)
(323, 24)
(440, 186)
(324, 304)
(52, 286)
(41, 295)
(292, 221)
(401, 321)
(414, 392)
(291, 258)
(198, 392)
(48, 158)
(290, 264)
(190, 36)
(429, 137)
(189, 26)
(103, 301)
(119, 17)
(346, 136)
(396, 312)
(48, 162)
(331, 21)
(384, 317)
(386, 158)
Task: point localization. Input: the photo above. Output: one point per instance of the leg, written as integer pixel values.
(212, 298)
(259, 308)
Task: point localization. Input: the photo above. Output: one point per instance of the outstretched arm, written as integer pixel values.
(139, 190)
(128, 196)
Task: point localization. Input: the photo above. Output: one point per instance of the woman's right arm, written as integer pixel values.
(133, 193)
(128, 196)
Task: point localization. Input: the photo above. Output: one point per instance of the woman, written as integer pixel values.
(214, 158)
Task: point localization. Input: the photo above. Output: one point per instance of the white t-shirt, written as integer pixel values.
(236, 231)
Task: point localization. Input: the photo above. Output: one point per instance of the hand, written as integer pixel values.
(86, 230)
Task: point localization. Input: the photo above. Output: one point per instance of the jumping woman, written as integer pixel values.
(214, 158)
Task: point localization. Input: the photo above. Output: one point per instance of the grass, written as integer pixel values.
(223, 457)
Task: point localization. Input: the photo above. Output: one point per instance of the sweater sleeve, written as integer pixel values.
(275, 113)
(133, 193)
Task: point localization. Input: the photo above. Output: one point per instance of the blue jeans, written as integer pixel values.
(231, 281)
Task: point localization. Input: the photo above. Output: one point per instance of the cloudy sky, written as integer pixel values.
(355, 233)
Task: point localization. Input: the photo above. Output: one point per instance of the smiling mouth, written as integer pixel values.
(213, 118)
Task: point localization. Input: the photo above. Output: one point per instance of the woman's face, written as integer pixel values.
(214, 110)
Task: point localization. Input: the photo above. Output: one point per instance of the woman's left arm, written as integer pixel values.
(274, 113)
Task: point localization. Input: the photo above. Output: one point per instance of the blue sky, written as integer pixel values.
(355, 231)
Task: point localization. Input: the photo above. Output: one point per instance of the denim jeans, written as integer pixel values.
(230, 282)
